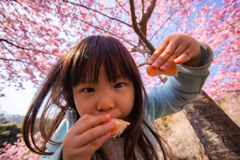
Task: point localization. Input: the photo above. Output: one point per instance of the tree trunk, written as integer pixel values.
(219, 135)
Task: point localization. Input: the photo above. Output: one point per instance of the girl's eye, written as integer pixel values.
(119, 85)
(88, 90)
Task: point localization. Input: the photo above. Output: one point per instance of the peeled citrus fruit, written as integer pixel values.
(172, 71)
(120, 126)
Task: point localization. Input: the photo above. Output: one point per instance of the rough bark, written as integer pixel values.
(219, 135)
(140, 30)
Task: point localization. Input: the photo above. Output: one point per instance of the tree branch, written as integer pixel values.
(19, 60)
(142, 64)
(23, 48)
(165, 22)
(123, 8)
(80, 5)
(150, 10)
(7, 59)
(105, 31)
(233, 91)
(99, 23)
(140, 49)
(146, 15)
(137, 29)
(142, 11)
(25, 63)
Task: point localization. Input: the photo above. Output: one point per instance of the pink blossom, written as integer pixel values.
(18, 150)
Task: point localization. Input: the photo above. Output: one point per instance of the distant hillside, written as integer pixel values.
(11, 118)
(6, 114)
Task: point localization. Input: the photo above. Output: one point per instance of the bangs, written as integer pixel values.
(101, 51)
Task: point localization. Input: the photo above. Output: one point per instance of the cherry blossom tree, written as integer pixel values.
(34, 34)
(221, 29)
(18, 150)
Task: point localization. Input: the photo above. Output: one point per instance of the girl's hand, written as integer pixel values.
(176, 49)
(86, 136)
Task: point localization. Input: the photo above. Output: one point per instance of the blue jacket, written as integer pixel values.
(163, 100)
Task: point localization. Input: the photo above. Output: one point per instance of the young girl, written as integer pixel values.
(98, 80)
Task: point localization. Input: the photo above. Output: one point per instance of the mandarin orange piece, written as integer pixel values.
(172, 71)
(120, 126)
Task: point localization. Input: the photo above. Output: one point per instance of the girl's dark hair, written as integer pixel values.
(85, 60)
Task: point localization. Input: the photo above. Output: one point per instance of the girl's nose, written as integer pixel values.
(105, 103)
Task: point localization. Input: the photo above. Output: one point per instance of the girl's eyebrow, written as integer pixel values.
(122, 78)
(91, 81)
(119, 76)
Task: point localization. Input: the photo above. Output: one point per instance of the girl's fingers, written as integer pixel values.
(158, 51)
(94, 145)
(171, 60)
(86, 136)
(87, 122)
(184, 57)
(168, 63)
(97, 143)
(165, 55)
(93, 135)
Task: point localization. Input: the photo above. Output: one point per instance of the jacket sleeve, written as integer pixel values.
(179, 90)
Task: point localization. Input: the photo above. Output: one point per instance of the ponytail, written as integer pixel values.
(32, 113)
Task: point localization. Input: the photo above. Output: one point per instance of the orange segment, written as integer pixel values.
(172, 71)
(120, 126)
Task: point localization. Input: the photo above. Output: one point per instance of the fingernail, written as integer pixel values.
(176, 61)
(110, 124)
(163, 68)
(157, 50)
(150, 61)
(107, 116)
(155, 65)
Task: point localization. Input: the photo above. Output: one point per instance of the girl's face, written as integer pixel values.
(114, 98)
